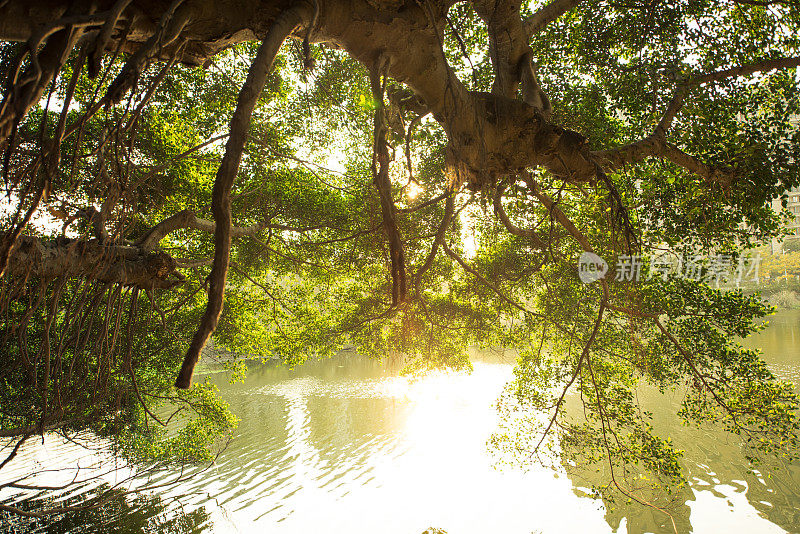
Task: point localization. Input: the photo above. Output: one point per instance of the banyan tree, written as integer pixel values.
(407, 176)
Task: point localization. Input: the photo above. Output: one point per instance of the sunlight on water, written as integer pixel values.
(404, 455)
(347, 446)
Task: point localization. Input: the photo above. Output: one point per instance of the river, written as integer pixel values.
(347, 446)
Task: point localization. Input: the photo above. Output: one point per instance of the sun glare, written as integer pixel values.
(413, 190)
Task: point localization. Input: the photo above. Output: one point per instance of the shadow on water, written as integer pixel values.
(119, 513)
(318, 425)
(725, 493)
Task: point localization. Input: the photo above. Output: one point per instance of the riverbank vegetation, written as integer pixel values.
(405, 177)
(779, 275)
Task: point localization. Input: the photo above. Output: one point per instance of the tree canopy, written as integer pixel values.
(405, 176)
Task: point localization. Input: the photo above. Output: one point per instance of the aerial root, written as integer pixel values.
(98, 47)
(284, 24)
(619, 213)
(170, 26)
(449, 209)
(25, 87)
(46, 53)
(380, 177)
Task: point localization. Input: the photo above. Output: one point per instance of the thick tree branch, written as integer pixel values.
(671, 112)
(489, 135)
(655, 146)
(100, 259)
(619, 157)
(745, 70)
(30, 429)
(508, 42)
(723, 176)
(186, 219)
(93, 260)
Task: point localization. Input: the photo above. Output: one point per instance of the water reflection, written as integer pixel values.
(725, 494)
(118, 513)
(347, 446)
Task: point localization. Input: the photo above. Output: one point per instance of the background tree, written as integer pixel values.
(535, 133)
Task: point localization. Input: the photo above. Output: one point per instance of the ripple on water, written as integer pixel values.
(321, 450)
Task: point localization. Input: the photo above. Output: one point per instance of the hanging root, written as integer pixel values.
(71, 347)
(449, 209)
(619, 213)
(38, 64)
(99, 45)
(170, 26)
(380, 176)
(220, 204)
(53, 158)
(24, 91)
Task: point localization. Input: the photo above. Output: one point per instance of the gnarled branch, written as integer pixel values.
(656, 146)
(92, 259)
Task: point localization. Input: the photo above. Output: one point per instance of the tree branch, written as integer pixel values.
(186, 219)
(547, 14)
(92, 259)
(527, 233)
(656, 146)
(508, 42)
(720, 175)
(676, 103)
(380, 177)
(584, 354)
(30, 429)
(483, 280)
(556, 212)
(745, 70)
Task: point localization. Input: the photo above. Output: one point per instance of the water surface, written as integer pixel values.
(347, 446)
